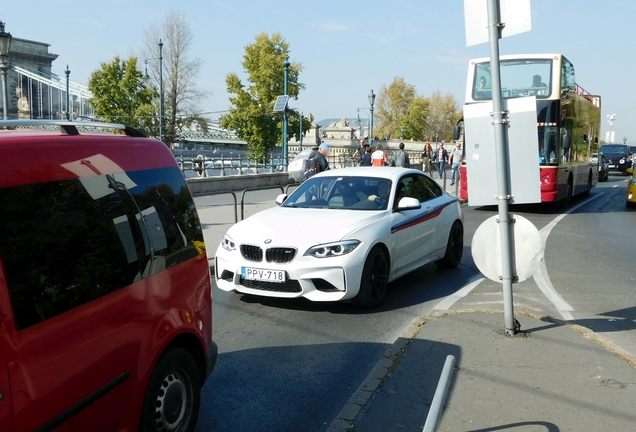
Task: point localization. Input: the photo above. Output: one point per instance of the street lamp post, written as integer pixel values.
(286, 67)
(147, 78)
(401, 133)
(5, 46)
(360, 121)
(67, 72)
(300, 148)
(371, 102)
(610, 120)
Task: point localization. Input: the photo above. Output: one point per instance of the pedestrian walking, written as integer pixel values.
(366, 157)
(442, 158)
(357, 155)
(401, 158)
(456, 161)
(317, 161)
(428, 156)
(379, 157)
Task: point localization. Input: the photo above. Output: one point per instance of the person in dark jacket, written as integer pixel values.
(366, 157)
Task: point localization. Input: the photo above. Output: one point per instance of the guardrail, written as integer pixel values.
(233, 193)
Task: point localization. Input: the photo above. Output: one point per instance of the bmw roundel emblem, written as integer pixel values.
(268, 241)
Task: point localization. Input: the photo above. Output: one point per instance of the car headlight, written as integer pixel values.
(622, 161)
(227, 243)
(634, 181)
(332, 249)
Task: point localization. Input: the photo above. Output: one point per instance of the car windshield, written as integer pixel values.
(614, 149)
(342, 192)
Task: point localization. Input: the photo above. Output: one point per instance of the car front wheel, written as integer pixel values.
(375, 277)
(173, 396)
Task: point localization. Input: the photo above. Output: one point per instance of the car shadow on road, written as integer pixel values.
(425, 284)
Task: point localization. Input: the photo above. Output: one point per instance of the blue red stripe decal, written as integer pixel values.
(431, 214)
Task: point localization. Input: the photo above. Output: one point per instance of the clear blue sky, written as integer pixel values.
(346, 47)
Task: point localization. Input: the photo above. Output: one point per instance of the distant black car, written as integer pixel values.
(603, 167)
(619, 156)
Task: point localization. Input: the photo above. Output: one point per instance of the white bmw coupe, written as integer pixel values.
(343, 234)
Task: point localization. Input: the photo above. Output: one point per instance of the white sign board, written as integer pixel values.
(515, 14)
(486, 248)
(523, 152)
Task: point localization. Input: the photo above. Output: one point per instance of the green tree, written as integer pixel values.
(393, 107)
(119, 93)
(442, 115)
(415, 123)
(251, 114)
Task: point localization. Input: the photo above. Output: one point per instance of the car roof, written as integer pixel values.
(33, 156)
(391, 173)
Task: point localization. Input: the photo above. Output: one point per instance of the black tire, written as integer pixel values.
(565, 203)
(630, 204)
(173, 396)
(454, 247)
(375, 277)
(588, 189)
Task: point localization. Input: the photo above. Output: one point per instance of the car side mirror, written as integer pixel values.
(567, 140)
(408, 203)
(281, 199)
(456, 132)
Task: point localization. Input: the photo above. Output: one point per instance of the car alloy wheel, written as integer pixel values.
(375, 277)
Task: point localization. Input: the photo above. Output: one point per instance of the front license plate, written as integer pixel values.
(612, 166)
(263, 275)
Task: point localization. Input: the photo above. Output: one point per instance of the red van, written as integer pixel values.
(105, 291)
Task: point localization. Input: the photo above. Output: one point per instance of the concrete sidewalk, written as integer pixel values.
(552, 377)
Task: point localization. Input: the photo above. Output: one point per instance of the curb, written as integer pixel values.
(383, 368)
(358, 403)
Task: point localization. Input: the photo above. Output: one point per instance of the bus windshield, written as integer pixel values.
(518, 78)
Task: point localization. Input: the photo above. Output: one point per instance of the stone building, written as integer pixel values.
(34, 91)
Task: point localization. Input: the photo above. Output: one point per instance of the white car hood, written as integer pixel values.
(301, 227)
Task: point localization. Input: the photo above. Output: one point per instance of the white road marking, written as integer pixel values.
(541, 276)
(451, 299)
(615, 186)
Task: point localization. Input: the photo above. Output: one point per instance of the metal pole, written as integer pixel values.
(437, 404)
(160, 90)
(5, 88)
(67, 72)
(301, 132)
(285, 114)
(371, 100)
(502, 163)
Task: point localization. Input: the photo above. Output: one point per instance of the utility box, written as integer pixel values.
(523, 152)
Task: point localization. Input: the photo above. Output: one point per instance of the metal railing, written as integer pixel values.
(284, 190)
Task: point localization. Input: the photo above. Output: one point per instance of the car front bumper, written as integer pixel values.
(317, 279)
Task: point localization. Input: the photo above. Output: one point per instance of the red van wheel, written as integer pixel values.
(173, 397)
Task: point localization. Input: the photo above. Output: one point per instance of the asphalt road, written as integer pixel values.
(291, 365)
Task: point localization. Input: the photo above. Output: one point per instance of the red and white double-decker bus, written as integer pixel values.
(568, 118)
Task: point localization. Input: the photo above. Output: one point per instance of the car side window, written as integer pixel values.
(418, 186)
(66, 243)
